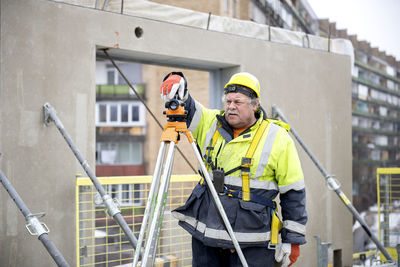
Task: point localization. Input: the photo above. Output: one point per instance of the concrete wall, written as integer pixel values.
(48, 53)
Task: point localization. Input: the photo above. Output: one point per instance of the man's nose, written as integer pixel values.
(231, 105)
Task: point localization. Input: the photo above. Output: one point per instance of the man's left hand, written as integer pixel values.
(287, 254)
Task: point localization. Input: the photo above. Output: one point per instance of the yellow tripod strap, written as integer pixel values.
(248, 160)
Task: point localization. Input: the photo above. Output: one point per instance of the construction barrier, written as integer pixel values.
(100, 242)
(388, 196)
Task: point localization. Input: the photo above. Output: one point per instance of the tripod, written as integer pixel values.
(156, 201)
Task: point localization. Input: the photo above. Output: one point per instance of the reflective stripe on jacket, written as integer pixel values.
(276, 169)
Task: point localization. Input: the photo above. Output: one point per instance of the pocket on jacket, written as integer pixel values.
(252, 217)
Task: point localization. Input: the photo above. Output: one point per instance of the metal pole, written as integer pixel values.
(150, 200)
(105, 4)
(111, 205)
(161, 218)
(161, 196)
(34, 226)
(333, 185)
(322, 252)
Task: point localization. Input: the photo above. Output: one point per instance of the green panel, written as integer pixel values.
(117, 89)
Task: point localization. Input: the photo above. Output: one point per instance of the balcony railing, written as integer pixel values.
(374, 116)
(119, 91)
(374, 131)
(371, 100)
(375, 86)
(377, 71)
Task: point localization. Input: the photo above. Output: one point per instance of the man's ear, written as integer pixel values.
(256, 106)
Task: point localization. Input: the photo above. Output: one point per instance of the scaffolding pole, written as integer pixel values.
(34, 226)
(333, 185)
(111, 204)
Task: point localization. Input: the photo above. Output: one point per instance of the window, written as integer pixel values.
(126, 194)
(362, 91)
(226, 6)
(390, 70)
(362, 74)
(362, 106)
(113, 113)
(257, 14)
(120, 114)
(354, 89)
(354, 71)
(110, 76)
(374, 78)
(119, 153)
(102, 112)
(383, 111)
(354, 121)
(125, 113)
(390, 85)
(362, 57)
(381, 140)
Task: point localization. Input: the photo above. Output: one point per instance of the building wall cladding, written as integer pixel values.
(46, 59)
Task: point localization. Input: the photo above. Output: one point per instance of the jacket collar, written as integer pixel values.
(260, 116)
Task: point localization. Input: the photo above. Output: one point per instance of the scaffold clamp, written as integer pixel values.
(47, 109)
(332, 182)
(34, 226)
(112, 205)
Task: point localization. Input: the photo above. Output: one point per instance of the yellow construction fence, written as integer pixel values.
(100, 241)
(388, 194)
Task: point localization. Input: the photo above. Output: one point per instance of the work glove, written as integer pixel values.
(287, 253)
(174, 83)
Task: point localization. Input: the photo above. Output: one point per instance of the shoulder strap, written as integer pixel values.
(207, 157)
(248, 161)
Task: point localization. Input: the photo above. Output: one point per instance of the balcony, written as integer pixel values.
(374, 131)
(375, 86)
(119, 92)
(374, 116)
(381, 163)
(357, 146)
(371, 100)
(377, 71)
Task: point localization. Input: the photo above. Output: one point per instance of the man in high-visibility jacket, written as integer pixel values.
(251, 159)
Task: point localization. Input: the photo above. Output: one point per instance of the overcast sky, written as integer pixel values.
(375, 21)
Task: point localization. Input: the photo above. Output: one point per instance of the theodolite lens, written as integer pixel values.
(173, 104)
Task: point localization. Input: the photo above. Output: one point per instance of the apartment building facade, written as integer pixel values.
(375, 113)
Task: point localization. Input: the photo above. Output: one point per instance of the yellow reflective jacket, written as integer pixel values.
(276, 169)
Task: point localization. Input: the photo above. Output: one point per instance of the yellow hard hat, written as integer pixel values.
(245, 79)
